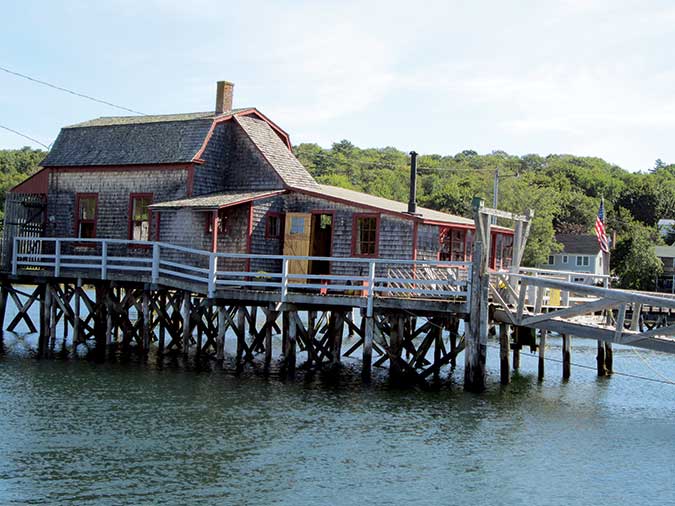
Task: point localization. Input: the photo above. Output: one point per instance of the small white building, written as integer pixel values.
(666, 227)
(666, 282)
(580, 253)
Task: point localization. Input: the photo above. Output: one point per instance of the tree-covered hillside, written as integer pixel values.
(564, 191)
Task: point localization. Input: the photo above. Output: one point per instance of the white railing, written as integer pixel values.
(365, 277)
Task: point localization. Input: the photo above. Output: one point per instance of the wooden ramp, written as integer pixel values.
(605, 314)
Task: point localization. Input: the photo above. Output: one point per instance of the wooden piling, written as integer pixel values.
(45, 312)
(437, 332)
(100, 321)
(289, 358)
(395, 348)
(271, 318)
(600, 359)
(311, 336)
(4, 292)
(220, 338)
(241, 334)
(504, 366)
(609, 358)
(337, 332)
(145, 305)
(185, 317)
(476, 345)
(367, 348)
(53, 321)
(542, 354)
(76, 311)
(162, 324)
(566, 356)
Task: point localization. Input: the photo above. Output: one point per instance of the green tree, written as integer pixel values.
(634, 260)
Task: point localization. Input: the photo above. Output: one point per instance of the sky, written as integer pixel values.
(585, 77)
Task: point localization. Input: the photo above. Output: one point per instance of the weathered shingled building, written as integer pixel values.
(223, 181)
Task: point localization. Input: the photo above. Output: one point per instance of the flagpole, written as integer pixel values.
(605, 353)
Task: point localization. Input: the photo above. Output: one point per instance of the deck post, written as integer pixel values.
(367, 349)
(155, 264)
(185, 317)
(504, 366)
(476, 342)
(566, 356)
(542, 352)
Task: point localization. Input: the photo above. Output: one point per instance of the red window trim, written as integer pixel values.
(130, 227)
(276, 214)
(78, 197)
(355, 231)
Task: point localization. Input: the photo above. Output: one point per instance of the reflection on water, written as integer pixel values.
(75, 432)
(72, 432)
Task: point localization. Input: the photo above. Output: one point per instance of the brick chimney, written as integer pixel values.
(224, 97)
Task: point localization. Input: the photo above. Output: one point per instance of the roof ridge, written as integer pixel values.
(106, 121)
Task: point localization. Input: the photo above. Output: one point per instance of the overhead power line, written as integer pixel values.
(82, 95)
(24, 135)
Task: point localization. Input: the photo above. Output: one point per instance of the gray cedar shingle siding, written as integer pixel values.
(260, 244)
(247, 168)
(427, 242)
(114, 189)
(277, 153)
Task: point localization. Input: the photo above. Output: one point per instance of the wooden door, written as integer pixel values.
(297, 240)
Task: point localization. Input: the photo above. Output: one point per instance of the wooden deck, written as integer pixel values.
(187, 300)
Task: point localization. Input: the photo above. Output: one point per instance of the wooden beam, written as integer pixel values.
(577, 310)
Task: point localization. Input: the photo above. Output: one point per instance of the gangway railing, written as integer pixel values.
(163, 262)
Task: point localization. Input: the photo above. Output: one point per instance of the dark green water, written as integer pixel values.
(77, 433)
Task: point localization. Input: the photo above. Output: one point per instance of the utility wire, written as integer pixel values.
(44, 83)
(26, 136)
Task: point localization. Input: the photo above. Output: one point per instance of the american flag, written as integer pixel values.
(600, 228)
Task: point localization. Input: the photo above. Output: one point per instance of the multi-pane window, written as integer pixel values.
(365, 235)
(86, 215)
(453, 245)
(139, 218)
(582, 261)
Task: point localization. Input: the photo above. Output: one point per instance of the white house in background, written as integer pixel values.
(665, 227)
(580, 253)
(666, 282)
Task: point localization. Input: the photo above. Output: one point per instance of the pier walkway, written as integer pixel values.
(183, 300)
